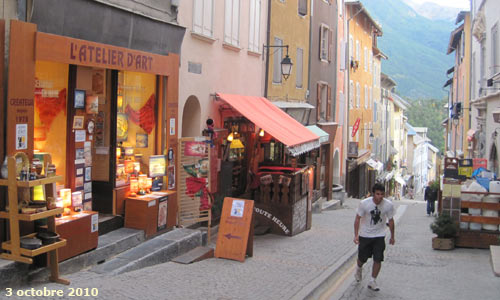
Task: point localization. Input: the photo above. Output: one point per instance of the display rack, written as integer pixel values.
(14, 244)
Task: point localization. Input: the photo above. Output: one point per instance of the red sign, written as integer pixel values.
(355, 127)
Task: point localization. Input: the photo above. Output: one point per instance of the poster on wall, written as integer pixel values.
(80, 136)
(78, 181)
(141, 140)
(98, 81)
(92, 105)
(21, 136)
(79, 154)
(87, 187)
(121, 127)
(88, 174)
(87, 153)
(99, 130)
(171, 177)
(194, 148)
(162, 213)
(172, 126)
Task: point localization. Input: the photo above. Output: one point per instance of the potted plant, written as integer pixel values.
(445, 229)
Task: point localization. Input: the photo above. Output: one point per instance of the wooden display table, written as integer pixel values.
(80, 230)
(142, 212)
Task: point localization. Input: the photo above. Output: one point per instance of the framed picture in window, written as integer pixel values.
(78, 122)
(79, 98)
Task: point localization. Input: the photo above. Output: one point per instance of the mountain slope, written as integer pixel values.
(416, 47)
(434, 11)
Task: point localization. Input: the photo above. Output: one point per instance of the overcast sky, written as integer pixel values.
(464, 4)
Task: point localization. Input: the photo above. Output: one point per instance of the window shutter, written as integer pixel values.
(318, 101)
(330, 44)
(198, 16)
(302, 7)
(320, 40)
(236, 23)
(251, 34)
(207, 17)
(256, 41)
(227, 21)
(329, 103)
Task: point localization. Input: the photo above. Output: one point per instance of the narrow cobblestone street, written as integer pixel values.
(413, 270)
(283, 266)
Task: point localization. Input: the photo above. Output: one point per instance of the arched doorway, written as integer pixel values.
(191, 118)
(336, 167)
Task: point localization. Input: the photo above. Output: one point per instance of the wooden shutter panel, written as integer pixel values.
(329, 103)
(198, 16)
(320, 40)
(330, 44)
(318, 101)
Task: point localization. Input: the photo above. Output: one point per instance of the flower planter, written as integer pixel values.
(443, 244)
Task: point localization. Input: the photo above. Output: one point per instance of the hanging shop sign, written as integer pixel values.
(80, 52)
(355, 127)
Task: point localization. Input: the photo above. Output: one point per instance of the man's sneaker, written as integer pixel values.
(358, 274)
(372, 285)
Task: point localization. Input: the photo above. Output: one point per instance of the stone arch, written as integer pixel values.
(191, 116)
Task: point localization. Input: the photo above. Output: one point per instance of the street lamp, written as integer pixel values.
(286, 64)
(371, 138)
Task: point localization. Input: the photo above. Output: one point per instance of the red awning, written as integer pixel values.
(264, 114)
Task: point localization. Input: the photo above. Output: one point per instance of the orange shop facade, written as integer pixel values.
(106, 114)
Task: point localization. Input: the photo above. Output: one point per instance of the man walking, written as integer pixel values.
(430, 195)
(369, 231)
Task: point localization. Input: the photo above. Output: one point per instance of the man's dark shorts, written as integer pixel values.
(369, 247)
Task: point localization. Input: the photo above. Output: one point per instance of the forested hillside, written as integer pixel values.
(416, 47)
(430, 114)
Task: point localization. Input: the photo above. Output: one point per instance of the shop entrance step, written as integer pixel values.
(195, 255)
(331, 205)
(108, 223)
(160, 249)
(15, 274)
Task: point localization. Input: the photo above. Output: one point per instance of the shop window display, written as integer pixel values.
(136, 122)
(51, 85)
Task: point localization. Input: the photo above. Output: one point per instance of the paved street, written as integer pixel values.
(413, 270)
(282, 267)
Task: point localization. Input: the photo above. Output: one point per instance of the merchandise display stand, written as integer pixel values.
(14, 246)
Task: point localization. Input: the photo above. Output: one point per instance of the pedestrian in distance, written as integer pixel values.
(369, 232)
(430, 196)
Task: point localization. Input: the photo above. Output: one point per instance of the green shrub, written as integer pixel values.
(444, 227)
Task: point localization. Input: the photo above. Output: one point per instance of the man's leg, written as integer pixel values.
(428, 207)
(376, 268)
(432, 207)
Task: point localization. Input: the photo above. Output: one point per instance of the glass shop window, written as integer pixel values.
(135, 125)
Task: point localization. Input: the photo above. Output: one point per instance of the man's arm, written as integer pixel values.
(356, 229)
(391, 228)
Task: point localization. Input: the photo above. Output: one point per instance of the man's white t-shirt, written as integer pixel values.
(374, 217)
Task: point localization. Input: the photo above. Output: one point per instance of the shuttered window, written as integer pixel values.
(277, 57)
(302, 7)
(232, 22)
(300, 64)
(203, 17)
(254, 34)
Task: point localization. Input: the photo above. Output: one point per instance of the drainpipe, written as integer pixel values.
(308, 92)
(268, 41)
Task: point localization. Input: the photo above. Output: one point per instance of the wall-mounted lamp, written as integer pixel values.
(371, 138)
(286, 63)
(230, 137)
(261, 132)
